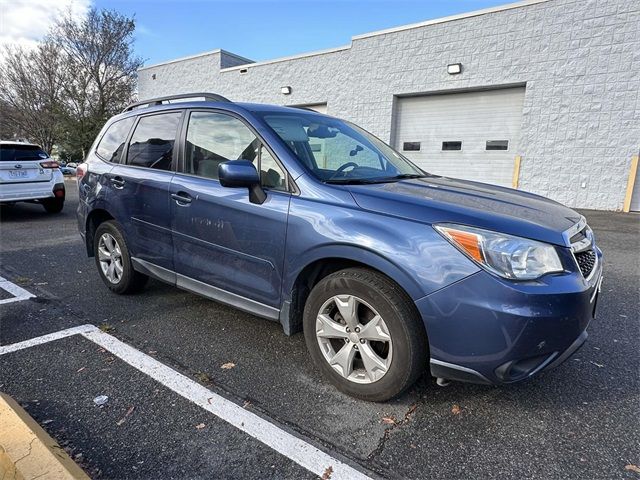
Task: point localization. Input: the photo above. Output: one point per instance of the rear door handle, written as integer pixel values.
(182, 198)
(118, 182)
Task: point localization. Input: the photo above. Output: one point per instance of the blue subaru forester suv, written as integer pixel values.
(310, 221)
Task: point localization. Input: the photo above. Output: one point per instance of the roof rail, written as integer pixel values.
(208, 97)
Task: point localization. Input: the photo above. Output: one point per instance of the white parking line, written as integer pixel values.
(296, 449)
(18, 293)
(32, 342)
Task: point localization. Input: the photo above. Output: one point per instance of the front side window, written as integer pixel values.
(213, 138)
(112, 143)
(151, 144)
(271, 174)
(336, 151)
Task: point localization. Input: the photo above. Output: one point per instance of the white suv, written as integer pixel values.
(28, 174)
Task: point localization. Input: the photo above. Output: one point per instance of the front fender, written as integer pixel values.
(413, 254)
(357, 254)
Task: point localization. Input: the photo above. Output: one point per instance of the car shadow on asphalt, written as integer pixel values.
(21, 212)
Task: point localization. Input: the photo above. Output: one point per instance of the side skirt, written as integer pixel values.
(206, 290)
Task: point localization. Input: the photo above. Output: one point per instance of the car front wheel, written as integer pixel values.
(365, 334)
(114, 261)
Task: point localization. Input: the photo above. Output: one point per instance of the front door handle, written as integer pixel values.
(118, 182)
(182, 198)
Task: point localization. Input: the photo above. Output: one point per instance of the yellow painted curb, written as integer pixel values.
(27, 451)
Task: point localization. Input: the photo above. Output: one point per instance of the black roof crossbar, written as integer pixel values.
(208, 97)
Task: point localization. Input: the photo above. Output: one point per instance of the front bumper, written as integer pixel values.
(483, 329)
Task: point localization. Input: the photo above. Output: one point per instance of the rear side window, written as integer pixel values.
(112, 143)
(17, 153)
(151, 145)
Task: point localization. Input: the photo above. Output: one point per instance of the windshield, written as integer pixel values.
(337, 151)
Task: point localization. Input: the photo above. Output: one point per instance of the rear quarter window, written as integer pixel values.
(17, 153)
(112, 143)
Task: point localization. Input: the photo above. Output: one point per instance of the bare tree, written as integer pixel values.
(30, 89)
(100, 72)
(64, 90)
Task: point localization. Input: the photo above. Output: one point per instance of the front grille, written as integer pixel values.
(586, 261)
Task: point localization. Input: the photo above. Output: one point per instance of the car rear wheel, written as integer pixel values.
(365, 334)
(114, 261)
(53, 205)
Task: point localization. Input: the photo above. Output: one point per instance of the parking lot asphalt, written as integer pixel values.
(577, 421)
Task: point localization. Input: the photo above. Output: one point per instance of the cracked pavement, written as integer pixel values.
(578, 421)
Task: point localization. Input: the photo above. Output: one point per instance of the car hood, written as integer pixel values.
(437, 199)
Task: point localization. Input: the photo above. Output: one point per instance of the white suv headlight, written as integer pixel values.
(505, 255)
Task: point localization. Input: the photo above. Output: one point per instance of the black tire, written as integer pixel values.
(53, 205)
(405, 327)
(130, 281)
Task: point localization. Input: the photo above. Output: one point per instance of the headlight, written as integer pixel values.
(505, 255)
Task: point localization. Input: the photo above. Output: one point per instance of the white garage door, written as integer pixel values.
(471, 135)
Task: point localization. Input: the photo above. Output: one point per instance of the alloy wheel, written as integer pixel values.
(354, 339)
(110, 257)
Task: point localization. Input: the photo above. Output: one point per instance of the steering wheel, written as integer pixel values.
(342, 168)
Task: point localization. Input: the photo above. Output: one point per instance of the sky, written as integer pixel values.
(256, 29)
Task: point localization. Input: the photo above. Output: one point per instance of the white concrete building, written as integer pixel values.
(546, 98)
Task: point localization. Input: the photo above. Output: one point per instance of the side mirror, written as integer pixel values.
(242, 174)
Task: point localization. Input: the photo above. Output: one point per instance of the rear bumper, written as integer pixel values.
(486, 330)
(21, 192)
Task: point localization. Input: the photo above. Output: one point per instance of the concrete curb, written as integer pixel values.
(27, 451)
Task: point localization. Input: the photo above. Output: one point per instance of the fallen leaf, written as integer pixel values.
(228, 365)
(247, 403)
(105, 327)
(388, 420)
(632, 468)
(209, 400)
(456, 410)
(200, 426)
(203, 377)
(327, 473)
(129, 412)
(411, 410)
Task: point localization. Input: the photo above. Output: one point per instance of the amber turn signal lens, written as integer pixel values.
(469, 242)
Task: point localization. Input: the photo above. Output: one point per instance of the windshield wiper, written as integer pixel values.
(355, 181)
(366, 181)
(404, 176)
